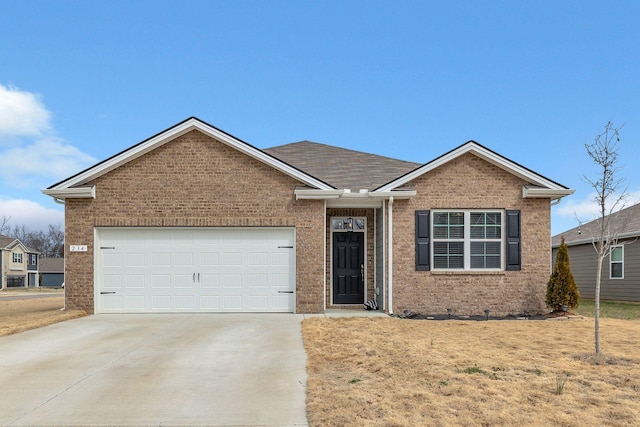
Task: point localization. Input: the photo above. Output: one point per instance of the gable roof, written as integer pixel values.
(626, 222)
(340, 167)
(540, 186)
(326, 172)
(72, 187)
(9, 243)
(51, 265)
(6, 241)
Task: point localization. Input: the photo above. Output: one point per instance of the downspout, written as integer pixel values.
(390, 254)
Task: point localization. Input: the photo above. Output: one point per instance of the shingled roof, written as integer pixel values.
(626, 223)
(340, 167)
(5, 242)
(51, 265)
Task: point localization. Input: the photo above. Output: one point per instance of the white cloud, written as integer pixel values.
(587, 209)
(49, 158)
(36, 156)
(22, 113)
(32, 215)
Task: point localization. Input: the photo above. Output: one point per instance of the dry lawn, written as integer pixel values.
(395, 372)
(21, 315)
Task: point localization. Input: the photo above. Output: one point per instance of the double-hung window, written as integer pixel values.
(467, 240)
(616, 257)
(17, 258)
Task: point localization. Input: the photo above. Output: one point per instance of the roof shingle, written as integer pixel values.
(341, 167)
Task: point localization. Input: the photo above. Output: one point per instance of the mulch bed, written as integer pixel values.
(524, 316)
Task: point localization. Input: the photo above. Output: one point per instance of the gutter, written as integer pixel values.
(59, 195)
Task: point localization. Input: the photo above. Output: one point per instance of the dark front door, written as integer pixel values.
(348, 268)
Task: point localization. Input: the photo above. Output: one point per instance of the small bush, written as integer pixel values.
(561, 288)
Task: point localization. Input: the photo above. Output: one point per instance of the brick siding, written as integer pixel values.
(469, 182)
(195, 181)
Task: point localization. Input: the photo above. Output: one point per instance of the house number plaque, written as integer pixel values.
(78, 248)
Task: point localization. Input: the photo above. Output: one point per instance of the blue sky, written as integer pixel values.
(534, 81)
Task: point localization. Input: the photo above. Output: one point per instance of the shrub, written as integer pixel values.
(562, 288)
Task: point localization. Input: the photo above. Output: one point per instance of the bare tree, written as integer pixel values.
(49, 243)
(4, 224)
(610, 197)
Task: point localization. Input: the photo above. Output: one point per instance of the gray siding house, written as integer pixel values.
(51, 272)
(620, 270)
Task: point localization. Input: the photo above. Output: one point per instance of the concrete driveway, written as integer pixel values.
(156, 369)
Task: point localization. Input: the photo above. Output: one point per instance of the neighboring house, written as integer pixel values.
(194, 219)
(18, 264)
(32, 268)
(51, 272)
(620, 280)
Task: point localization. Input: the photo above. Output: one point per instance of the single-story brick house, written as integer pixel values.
(194, 219)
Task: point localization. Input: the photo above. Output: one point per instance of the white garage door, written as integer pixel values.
(163, 270)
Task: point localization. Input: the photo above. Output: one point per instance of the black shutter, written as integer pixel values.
(513, 240)
(423, 254)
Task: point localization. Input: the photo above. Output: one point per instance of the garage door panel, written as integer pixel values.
(231, 281)
(161, 302)
(258, 303)
(230, 259)
(209, 259)
(258, 280)
(135, 259)
(232, 302)
(112, 281)
(161, 281)
(185, 302)
(184, 280)
(210, 280)
(280, 302)
(133, 281)
(161, 259)
(113, 302)
(213, 269)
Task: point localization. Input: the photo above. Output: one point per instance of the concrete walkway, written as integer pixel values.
(156, 369)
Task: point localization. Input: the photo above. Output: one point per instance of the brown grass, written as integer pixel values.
(22, 315)
(394, 372)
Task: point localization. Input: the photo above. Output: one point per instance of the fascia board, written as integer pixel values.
(590, 240)
(483, 153)
(316, 194)
(347, 196)
(174, 132)
(545, 193)
(72, 193)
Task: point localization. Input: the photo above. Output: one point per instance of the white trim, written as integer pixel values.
(72, 193)
(345, 198)
(483, 153)
(173, 133)
(467, 240)
(390, 255)
(545, 193)
(611, 262)
(324, 264)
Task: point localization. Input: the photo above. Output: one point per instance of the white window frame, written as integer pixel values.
(621, 262)
(18, 256)
(467, 239)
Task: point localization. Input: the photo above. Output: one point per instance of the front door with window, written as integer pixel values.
(348, 268)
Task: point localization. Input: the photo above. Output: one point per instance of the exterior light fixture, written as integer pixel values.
(348, 223)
